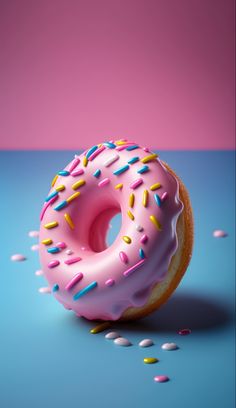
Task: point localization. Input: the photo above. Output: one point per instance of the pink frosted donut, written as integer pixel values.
(96, 281)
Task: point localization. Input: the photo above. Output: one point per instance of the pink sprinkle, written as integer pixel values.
(54, 263)
(77, 172)
(46, 205)
(144, 239)
(104, 182)
(44, 290)
(220, 234)
(72, 260)
(136, 183)
(164, 196)
(74, 281)
(61, 245)
(35, 247)
(146, 149)
(122, 147)
(33, 234)
(39, 272)
(110, 282)
(184, 332)
(18, 258)
(161, 378)
(133, 268)
(124, 258)
(73, 164)
(96, 153)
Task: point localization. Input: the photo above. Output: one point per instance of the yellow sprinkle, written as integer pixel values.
(72, 197)
(145, 198)
(131, 216)
(155, 186)
(155, 222)
(47, 241)
(131, 200)
(150, 360)
(101, 327)
(118, 186)
(60, 188)
(85, 161)
(54, 180)
(69, 220)
(149, 158)
(120, 142)
(100, 145)
(78, 184)
(51, 225)
(127, 239)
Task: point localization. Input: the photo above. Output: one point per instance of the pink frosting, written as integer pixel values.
(96, 281)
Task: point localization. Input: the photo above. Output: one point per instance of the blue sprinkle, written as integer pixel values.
(97, 173)
(133, 160)
(53, 250)
(132, 147)
(91, 151)
(85, 290)
(157, 199)
(141, 253)
(61, 205)
(55, 287)
(144, 169)
(110, 145)
(121, 170)
(55, 193)
(63, 173)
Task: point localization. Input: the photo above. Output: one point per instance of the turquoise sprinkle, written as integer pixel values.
(144, 169)
(141, 253)
(110, 145)
(132, 147)
(63, 173)
(55, 193)
(55, 287)
(53, 250)
(97, 173)
(157, 199)
(133, 160)
(121, 170)
(91, 151)
(85, 290)
(60, 205)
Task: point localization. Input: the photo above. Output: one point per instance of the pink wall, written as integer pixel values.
(77, 72)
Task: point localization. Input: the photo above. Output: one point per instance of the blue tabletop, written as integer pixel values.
(48, 356)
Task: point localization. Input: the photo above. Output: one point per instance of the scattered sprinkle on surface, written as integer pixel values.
(18, 258)
(44, 290)
(220, 234)
(122, 341)
(100, 328)
(33, 234)
(161, 378)
(112, 335)
(169, 346)
(184, 332)
(146, 343)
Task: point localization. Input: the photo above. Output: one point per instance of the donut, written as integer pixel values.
(138, 272)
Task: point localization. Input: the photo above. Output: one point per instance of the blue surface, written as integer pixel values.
(48, 356)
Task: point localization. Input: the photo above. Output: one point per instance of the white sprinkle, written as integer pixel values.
(111, 160)
(146, 343)
(219, 234)
(44, 290)
(35, 247)
(69, 252)
(121, 341)
(139, 228)
(112, 335)
(33, 234)
(18, 258)
(39, 272)
(169, 346)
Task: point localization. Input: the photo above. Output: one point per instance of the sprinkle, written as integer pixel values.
(123, 147)
(145, 198)
(78, 172)
(55, 287)
(144, 239)
(219, 234)
(54, 180)
(157, 199)
(69, 220)
(133, 268)
(72, 197)
(111, 160)
(91, 151)
(55, 193)
(53, 250)
(35, 247)
(44, 290)
(39, 272)
(121, 142)
(74, 281)
(130, 215)
(123, 257)
(127, 239)
(139, 228)
(54, 263)
(132, 147)
(18, 258)
(155, 222)
(50, 225)
(61, 205)
(33, 234)
(97, 173)
(150, 360)
(85, 290)
(136, 183)
(100, 328)
(73, 164)
(69, 252)
(141, 253)
(161, 378)
(61, 187)
(164, 196)
(85, 161)
(155, 186)
(47, 241)
(131, 200)
(112, 335)
(133, 160)
(169, 346)
(121, 170)
(146, 343)
(109, 282)
(78, 184)
(61, 245)
(63, 173)
(97, 152)
(143, 169)
(184, 332)
(104, 182)
(149, 158)
(119, 186)
(110, 145)
(72, 260)
(46, 205)
(121, 341)
(146, 149)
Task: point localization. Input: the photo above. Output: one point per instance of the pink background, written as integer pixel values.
(160, 72)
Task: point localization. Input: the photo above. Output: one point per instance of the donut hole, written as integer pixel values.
(104, 229)
(113, 229)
